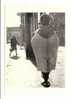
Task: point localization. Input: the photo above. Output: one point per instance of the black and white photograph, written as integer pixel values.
(34, 49)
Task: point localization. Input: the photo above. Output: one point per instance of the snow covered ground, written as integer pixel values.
(21, 73)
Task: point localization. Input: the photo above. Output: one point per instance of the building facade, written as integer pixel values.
(29, 23)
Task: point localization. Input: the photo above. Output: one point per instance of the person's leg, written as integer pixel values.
(10, 52)
(27, 53)
(16, 51)
(45, 76)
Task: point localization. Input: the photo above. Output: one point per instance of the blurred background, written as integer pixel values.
(22, 25)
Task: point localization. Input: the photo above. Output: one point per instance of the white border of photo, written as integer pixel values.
(42, 5)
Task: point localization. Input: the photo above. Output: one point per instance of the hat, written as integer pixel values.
(44, 19)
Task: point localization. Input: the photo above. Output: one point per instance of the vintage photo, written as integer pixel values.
(34, 49)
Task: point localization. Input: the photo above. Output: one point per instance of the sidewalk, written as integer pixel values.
(22, 73)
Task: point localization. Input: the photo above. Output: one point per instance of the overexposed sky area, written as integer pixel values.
(11, 17)
(12, 7)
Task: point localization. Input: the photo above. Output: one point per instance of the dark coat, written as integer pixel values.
(13, 43)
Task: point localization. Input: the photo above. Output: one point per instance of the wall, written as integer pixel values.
(59, 25)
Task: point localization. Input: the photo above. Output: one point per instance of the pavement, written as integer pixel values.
(21, 73)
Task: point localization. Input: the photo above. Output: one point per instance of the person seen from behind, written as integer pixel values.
(13, 43)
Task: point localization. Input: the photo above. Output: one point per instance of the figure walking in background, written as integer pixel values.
(45, 44)
(14, 43)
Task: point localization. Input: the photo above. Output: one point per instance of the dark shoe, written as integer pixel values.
(45, 84)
